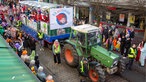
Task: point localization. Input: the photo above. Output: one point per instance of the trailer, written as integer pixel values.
(53, 19)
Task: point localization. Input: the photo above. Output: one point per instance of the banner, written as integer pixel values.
(61, 18)
(44, 27)
(121, 17)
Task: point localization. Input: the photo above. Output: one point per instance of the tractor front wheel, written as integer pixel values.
(71, 56)
(97, 75)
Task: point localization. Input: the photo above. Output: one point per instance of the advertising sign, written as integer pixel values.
(44, 27)
(61, 18)
(121, 17)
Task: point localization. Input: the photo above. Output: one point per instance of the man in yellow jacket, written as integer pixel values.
(131, 55)
(40, 36)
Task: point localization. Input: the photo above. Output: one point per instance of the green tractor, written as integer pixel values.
(83, 43)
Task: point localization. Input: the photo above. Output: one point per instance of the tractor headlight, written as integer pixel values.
(115, 63)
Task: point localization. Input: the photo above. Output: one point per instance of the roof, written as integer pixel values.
(12, 68)
(37, 4)
(86, 28)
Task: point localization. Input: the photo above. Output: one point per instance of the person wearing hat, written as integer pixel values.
(49, 78)
(40, 74)
(56, 52)
(33, 67)
(24, 55)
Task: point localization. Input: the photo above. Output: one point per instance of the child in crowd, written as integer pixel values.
(24, 55)
(49, 78)
(117, 47)
(114, 43)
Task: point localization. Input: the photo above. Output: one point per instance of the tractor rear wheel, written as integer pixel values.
(71, 56)
(97, 75)
(121, 66)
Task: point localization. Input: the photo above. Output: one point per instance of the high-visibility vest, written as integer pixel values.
(82, 66)
(75, 33)
(132, 53)
(57, 50)
(40, 35)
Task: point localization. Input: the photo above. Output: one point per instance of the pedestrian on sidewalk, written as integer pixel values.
(33, 67)
(143, 55)
(40, 74)
(40, 37)
(132, 33)
(32, 56)
(123, 41)
(127, 45)
(37, 62)
(32, 44)
(49, 78)
(131, 56)
(56, 52)
(19, 46)
(24, 55)
(140, 46)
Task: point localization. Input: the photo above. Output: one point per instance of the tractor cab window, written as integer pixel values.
(81, 38)
(92, 38)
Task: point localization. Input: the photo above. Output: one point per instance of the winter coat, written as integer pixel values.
(128, 43)
(32, 56)
(41, 76)
(132, 34)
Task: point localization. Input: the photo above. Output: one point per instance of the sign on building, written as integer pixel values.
(121, 17)
(108, 15)
(132, 19)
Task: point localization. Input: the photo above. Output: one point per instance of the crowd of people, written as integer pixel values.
(23, 44)
(122, 42)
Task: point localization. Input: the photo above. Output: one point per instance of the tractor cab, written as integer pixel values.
(85, 36)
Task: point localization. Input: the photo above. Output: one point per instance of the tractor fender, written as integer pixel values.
(77, 48)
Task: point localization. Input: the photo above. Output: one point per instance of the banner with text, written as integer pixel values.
(61, 18)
